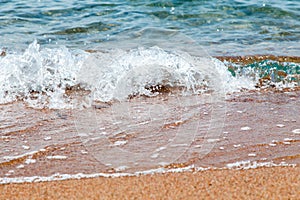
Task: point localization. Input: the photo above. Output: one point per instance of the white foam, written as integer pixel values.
(120, 143)
(213, 140)
(296, 131)
(57, 157)
(59, 177)
(25, 147)
(253, 165)
(246, 128)
(160, 148)
(233, 84)
(47, 72)
(47, 138)
(121, 168)
(240, 165)
(20, 166)
(125, 73)
(154, 155)
(40, 76)
(84, 152)
(10, 158)
(30, 161)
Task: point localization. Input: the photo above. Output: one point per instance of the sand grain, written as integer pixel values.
(261, 183)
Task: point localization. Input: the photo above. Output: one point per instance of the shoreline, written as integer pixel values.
(259, 183)
(46, 142)
(175, 168)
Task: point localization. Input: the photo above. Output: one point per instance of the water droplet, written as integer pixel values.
(30, 161)
(26, 147)
(84, 152)
(245, 128)
(280, 125)
(119, 143)
(20, 166)
(47, 138)
(296, 131)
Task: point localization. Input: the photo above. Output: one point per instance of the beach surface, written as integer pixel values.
(149, 100)
(259, 183)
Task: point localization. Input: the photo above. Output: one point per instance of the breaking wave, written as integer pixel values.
(64, 78)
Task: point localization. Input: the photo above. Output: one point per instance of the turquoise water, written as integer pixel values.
(273, 73)
(141, 45)
(231, 27)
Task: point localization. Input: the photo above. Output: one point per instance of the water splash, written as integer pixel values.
(268, 73)
(47, 78)
(39, 76)
(121, 74)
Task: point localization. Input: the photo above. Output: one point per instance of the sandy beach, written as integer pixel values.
(260, 183)
(150, 100)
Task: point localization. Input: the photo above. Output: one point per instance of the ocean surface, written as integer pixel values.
(128, 86)
(46, 44)
(231, 27)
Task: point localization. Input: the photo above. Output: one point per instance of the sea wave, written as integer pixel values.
(67, 78)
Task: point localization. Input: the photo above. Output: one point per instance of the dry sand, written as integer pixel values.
(260, 183)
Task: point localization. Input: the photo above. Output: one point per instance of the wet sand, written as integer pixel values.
(271, 117)
(260, 183)
(256, 127)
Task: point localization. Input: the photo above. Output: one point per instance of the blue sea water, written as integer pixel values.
(223, 27)
(140, 45)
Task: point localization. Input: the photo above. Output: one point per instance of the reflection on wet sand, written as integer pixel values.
(42, 142)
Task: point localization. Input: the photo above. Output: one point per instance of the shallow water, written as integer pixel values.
(232, 27)
(148, 135)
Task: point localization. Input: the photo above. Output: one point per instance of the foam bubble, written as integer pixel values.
(39, 76)
(46, 78)
(296, 131)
